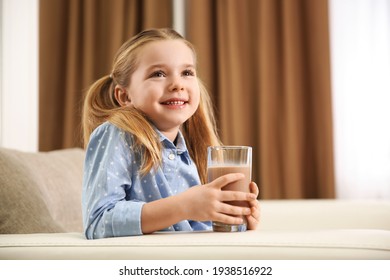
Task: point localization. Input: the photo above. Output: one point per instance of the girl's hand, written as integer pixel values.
(254, 218)
(208, 202)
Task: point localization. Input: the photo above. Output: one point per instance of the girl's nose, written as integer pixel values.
(176, 84)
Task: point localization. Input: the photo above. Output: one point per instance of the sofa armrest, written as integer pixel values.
(324, 214)
(259, 244)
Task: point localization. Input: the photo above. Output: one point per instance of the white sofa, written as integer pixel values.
(40, 218)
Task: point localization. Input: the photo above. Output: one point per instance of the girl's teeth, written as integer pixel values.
(175, 103)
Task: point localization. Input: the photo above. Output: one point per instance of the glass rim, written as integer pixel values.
(231, 147)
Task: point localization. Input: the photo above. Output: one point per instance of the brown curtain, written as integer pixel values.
(78, 40)
(267, 64)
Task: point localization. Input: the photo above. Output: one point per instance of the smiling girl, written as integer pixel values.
(148, 125)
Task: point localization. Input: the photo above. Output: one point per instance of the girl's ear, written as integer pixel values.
(121, 96)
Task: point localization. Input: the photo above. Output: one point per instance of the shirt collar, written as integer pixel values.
(180, 146)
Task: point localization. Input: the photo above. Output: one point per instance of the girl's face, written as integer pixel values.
(164, 86)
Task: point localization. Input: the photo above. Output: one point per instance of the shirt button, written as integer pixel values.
(171, 156)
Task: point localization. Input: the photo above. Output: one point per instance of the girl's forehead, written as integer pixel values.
(169, 50)
(175, 43)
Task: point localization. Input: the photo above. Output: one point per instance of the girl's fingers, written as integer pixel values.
(224, 180)
(255, 213)
(254, 188)
(254, 203)
(237, 196)
(226, 219)
(234, 210)
(252, 222)
(254, 218)
(231, 214)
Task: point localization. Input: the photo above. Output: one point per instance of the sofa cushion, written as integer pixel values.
(40, 192)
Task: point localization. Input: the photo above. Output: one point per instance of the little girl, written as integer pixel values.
(148, 125)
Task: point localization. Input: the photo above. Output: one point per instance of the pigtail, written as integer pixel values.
(146, 140)
(98, 104)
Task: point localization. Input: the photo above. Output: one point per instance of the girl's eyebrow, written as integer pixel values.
(189, 65)
(155, 66)
(158, 66)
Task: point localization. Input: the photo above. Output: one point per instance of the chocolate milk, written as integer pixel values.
(213, 172)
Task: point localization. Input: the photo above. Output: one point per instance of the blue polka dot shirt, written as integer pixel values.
(114, 191)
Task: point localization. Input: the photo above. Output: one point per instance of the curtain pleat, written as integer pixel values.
(78, 40)
(268, 67)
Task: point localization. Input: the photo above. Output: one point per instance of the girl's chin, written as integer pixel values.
(164, 122)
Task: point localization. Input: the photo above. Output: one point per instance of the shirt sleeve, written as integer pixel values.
(107, 179)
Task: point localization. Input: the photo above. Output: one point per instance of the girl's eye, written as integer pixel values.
(188, 72)
(157, 74)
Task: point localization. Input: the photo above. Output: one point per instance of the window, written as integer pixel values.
(360, 51)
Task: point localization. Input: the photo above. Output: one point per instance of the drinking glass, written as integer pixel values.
(223, 160)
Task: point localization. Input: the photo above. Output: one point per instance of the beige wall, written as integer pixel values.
(19, 75)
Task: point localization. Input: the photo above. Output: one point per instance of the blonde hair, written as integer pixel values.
(100, 106)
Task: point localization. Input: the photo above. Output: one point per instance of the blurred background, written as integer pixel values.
(305, 82)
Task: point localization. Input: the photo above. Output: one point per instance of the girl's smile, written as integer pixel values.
(175, 103)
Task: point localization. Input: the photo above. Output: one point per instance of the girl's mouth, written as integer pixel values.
(177, 102)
